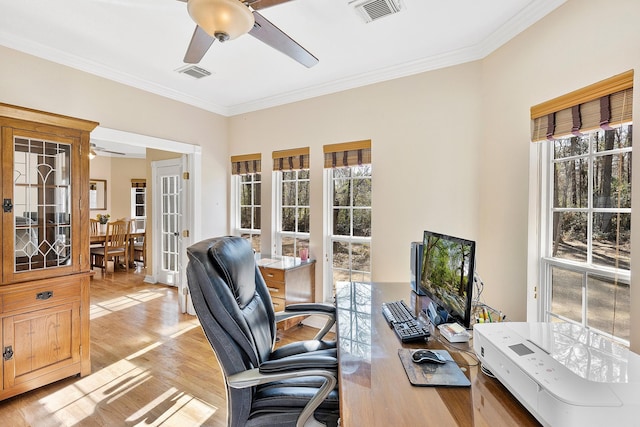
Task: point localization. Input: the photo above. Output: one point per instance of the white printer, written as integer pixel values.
(564, 374)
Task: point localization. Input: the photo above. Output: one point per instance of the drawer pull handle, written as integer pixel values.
(7, 353)
(44, 295)
(269, 274)
(273, 289)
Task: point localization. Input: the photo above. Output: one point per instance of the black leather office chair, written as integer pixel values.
(294, 385)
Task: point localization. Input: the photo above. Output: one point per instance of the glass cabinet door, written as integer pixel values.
(41, 203)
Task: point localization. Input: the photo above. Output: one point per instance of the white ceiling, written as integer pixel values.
(142, 42)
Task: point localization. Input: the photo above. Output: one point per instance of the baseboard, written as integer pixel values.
(150, 279)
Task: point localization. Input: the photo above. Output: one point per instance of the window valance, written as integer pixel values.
(294, 159)
(601, 105)
(138, 183)
(245, 164)
(346, 154)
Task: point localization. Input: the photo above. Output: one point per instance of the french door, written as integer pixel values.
(168, 210)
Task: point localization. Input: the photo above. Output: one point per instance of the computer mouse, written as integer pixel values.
(427, 356)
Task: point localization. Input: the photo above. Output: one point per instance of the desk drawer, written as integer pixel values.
(278, 304)
(40, 295)
(276, 289)
(272, 274)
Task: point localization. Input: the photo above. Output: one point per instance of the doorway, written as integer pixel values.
(189, 229)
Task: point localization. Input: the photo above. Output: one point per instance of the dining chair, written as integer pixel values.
(95, 226)
(140, 251)
(116, 245)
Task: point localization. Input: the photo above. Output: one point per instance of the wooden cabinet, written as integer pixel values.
(44, 259)
(289, 281)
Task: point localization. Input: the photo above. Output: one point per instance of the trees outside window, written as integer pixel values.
(350, 223)
(248, 211)
(293, 212)
(586, 270)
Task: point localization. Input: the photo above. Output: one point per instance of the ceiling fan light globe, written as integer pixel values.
(230, 17)
(222, 37)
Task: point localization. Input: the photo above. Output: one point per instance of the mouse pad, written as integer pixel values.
(433, 374)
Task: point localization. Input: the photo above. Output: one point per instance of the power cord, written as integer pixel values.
(486, 371)
(460, 350)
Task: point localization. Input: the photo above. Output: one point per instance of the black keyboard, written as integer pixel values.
(406, 326)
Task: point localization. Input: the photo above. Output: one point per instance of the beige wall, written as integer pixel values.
(122, 172)
(425, 146)
(100, 168)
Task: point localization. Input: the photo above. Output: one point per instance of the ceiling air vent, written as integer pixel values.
(370, 10)
(194, 71)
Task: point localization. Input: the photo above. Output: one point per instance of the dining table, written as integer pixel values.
(101, 237)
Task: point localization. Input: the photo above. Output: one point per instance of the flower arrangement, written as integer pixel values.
(103, 218)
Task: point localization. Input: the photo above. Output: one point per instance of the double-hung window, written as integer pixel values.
(246, 182)
(349, 178)
(292, 201)
(586, 207)
(139, 204)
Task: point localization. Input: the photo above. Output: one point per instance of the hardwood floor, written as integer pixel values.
(151, 365)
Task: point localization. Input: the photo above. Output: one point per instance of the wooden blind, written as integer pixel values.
(294, 159)
(347, 154)
(245, 164)
(601, 105)
(138, 183)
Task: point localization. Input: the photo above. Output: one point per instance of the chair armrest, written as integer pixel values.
(308, 309)
(328, 309)
(254, 377)
(297, 362)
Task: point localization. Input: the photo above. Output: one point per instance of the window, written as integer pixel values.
(139, 204)
(292, 201)
(348, 169)
(587, 266)
(247, 184)
(586, 212)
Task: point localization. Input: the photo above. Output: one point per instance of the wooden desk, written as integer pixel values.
(101, 237)
(290, 281)
(374, 388)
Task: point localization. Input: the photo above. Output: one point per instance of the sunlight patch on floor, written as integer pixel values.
(92, 396)
(121, 303)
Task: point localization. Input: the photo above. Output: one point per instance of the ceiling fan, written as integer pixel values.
(93, 148)
(227, 19)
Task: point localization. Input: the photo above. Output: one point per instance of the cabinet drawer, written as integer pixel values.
(272, 274)
(40, 295)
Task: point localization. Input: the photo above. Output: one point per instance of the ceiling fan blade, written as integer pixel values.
(113, 152)
(268, 33)
(263, 4)
(104, 150)
(198, 46)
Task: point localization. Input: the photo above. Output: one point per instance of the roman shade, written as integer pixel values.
(347, 154)
(601, 105)
(138, 183)
(245, 164)
(294, 159)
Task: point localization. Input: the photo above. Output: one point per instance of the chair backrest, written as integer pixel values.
(94, 226)
(234, 307)
(117, 235)
(228, 290)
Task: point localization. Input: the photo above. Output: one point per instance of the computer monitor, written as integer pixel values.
(447, 274)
